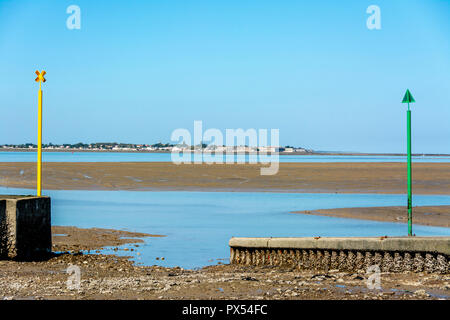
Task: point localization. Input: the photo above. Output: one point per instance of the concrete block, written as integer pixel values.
(25, 227)
(249, 242)
(439, 245)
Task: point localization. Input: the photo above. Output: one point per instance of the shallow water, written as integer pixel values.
(166, 157)
(198, 225)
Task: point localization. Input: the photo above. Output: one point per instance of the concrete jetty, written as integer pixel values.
(391, 254)
(25, 227)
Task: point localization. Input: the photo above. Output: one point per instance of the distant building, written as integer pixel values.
(268, 149)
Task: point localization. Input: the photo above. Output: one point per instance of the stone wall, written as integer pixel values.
(345, 254)
(3, 230)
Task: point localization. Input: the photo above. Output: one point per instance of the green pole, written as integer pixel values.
(409, 173)
(408, 98)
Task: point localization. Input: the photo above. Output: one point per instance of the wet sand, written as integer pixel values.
(388, 178)
(112, 277)
(66, 238)
(438, 216)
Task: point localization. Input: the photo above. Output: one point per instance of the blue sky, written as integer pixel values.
(137, 70)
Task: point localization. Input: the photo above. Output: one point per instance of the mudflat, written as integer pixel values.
(424, 215)
(113, 277)
(428, 178)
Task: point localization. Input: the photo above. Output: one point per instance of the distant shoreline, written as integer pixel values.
(280, 153)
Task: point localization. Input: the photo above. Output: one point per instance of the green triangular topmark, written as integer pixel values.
(408, 98)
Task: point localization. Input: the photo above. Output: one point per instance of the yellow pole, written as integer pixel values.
(39, 152)
(40, 78)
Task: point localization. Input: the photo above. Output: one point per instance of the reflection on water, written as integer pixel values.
(198, 225)
(166, 157)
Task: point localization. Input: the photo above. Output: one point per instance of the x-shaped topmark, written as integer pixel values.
(40, 76)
